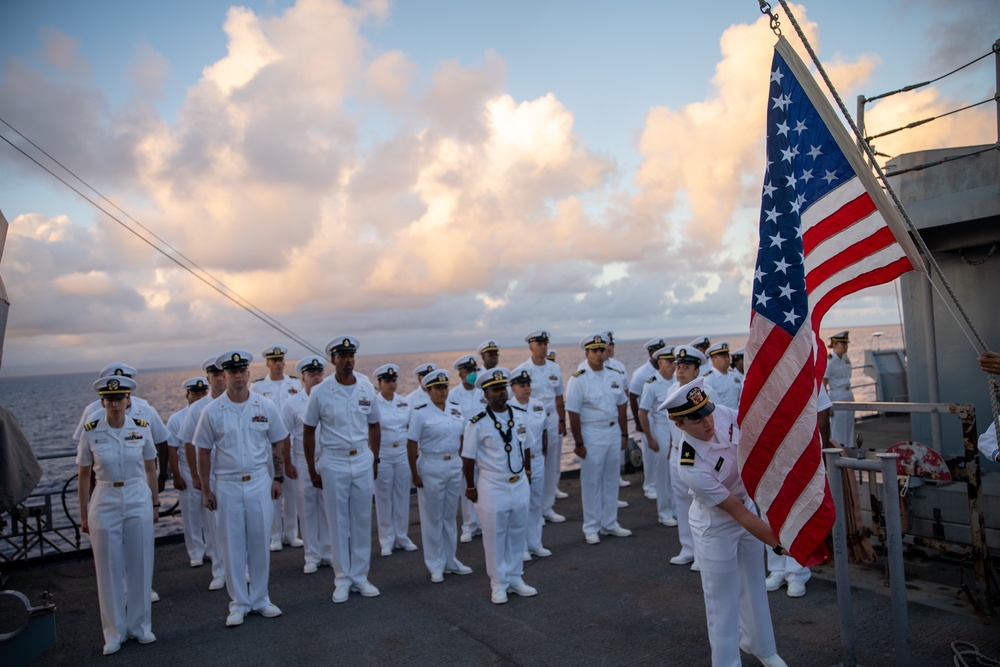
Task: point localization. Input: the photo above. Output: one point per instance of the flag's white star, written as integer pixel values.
(769, 189)
(762, 299)
(796, 206)
(782, 128)
(790, 317)
(800, 127)
(807, 174)
(814, 152)
(795, 151)
(777, 76)
(787, 154)
(791, 181)
(758, 275)
(782, 265)
(772, 215)
(776, 240)
(829, 177)
(787, 292)
(801, 199)
(781, 101)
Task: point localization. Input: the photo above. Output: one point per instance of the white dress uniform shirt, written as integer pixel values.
(138, 409)
(988, 443)
(730, 557)
(724, 388)
(546, 385)
(654, 392)
(120, 518)
(417, 398)
(192, 509)
(392, 487)
(311, 512)
(278, 391)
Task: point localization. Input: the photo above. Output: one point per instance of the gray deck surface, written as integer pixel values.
(616, 603)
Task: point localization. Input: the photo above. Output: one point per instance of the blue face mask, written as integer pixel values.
(471, 378)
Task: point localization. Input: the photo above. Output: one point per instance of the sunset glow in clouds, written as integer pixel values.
(418, 203)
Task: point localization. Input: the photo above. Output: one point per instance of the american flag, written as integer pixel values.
(826, 231)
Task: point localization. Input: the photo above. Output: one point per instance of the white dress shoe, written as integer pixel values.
(366, 589)
(651, 494)
(773, 661)
(622, 482)
(499, 596)
(309, 568)
(386, 552)
(561, 495)
(592, 538)
(695, 567)
(217, 583)
(154, 596)
(796, 589)
(406, 545)
(147, 638)
(295, 542)
(458, 568)
(617, 531)
(269, 611)
(526, 556)
(681, 559)
(197, 562)
(235, 618)
(542, 552)
(276, 545)
(466, 537)
(774, 582)
(341, 593)
(436, 577)
(552, 517)
(622, 504)
(112, 647)
(669, 522)
(520, 588)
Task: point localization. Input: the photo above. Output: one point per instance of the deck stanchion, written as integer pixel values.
(840, 561)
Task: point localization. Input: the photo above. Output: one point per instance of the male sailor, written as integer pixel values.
(838, 383)
(535, 419)
(687, 363)
(724, 385)
(656, 426)
(489, 351)
(737, 363)
(638, 381)
(279, 388)
(472, 401)
(702, 343)
(418, 396)
(192, 509)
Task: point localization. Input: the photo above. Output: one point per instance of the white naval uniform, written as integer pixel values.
(682, 497)
(472, 401)
(595, 396)
(241, 438)
(988, 443)
(313, 524)
(286, 517)
(139, 408)
(732, 569)
(392, 487)
(417, 397)
(120, 517)
(838, 374)
(342, 415)
(535, 418)
(654, 392)
(210, 519)
(724, 388)
(636, 384)
(192, 510)
(546, 385)
(438, 434)
(503, 493)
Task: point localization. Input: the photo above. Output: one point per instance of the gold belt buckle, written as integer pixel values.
(117, 484)
(245, 478)
(395, 444)
(611, 423)
(352, 452)
(514, 478)
(447, 457)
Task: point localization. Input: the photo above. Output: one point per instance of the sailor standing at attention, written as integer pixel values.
(547, 388)
(611, 363)
(723, 384)
(279, 388)
(342, 420)
(737, 365)
(243, 432)
(635, 386)
(596, 406)
(392, 484)
(656, 426)
(313, 524)
(535, 418)
(119, 517)
(472, 402)
(838, 384)
(190, 497)
(498, 441)
(490, 353)
(729, 536)
(418, 396)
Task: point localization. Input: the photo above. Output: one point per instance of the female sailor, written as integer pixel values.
(392, 486)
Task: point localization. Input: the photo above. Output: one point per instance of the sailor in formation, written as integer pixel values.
(724, 385)
(729, 536)
(535, 418)
(688, 361)
(239, 438)
(433, 445)
(342, 419)
(418, 396)
(498, 441)
(611, 362)
(838, 384)
(489, 351)
(656, 426)
(392, 484)
(635, 386)
(216, 387)
(309, 507)
(279, 388)
(547, 388)
(119, 517)
(192, 509)
(472, 401)
(598, 424)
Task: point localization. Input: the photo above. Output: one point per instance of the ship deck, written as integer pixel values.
(616, 603)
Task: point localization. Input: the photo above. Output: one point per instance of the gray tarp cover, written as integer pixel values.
(19, 469)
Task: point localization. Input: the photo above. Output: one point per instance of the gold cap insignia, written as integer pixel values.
(113, 385)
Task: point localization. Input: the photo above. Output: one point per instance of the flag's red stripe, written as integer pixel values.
(795, 483)
(856, 252)
(858, 208)
(880, 275)
(808, 547)
(764, 361)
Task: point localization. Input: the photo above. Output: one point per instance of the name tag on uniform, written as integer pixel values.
(718, 466)
(132, 436)
(259, 419)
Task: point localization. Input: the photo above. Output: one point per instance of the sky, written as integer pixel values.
(422, 174)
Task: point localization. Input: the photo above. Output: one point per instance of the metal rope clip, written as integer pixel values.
(765, 8)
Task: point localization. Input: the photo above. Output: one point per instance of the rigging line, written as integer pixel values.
(935, 163)
(914, 233)
(246, 301)
(96, 205)
(917, 123)
(924, 83)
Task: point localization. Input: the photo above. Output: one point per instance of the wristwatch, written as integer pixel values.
(280, 479)
(778, 549)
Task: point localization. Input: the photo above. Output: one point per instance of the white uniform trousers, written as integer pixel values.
(193, 517)
(787, 567)
(314, 528)
(503, 512)
(121, 536)
(661, 471)
(842, 421)
(535, 520)
(682, 504)
(470, 520)
(210, 524)
(392, 496)
(285, 525)
(347, 494)
(599, 474)
(649, 462)
(244, 521)
(732, 580)
(438, 505)
(553, 462)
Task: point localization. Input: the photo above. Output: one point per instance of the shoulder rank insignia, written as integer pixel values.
(294, 377)
(478, 417)
(651, 380)
(719, 464)
(579, 372)
(687, 454)
(829, 355)
(420, 407)
(91, 425)
(258, 380)
(517, 407)
(140, 422)
(616, 370)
